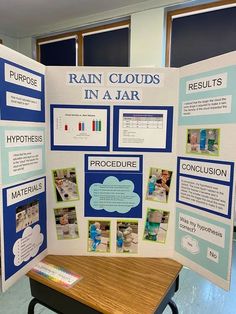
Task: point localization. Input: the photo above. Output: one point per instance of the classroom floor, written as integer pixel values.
(195, 296)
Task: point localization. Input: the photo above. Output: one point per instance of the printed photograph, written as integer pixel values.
(156, 225)
(203, 141)
(99, 236)
(65, 184)
(27, 215)
(66, 223)
(159, 182)
(127, 237)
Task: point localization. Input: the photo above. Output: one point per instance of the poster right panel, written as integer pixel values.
(205, 167)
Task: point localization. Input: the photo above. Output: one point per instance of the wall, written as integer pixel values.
(9, 41)
(147, 44)
(23, 45)
(26, 46)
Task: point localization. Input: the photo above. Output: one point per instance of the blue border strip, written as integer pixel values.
(75, 147)
(20, 114)
(169, 129)
(230, 184)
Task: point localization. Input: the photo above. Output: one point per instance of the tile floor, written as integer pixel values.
(195, 296)
(199, 296)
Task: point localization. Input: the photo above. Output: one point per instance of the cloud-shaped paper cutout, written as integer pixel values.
(113, 195)
(190, 244)
(27, 246)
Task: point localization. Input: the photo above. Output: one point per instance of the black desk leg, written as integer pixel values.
(34, 301)
(173, 307)
(171, 303)
(31, 306)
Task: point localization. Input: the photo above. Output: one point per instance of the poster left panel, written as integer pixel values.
(22, 165)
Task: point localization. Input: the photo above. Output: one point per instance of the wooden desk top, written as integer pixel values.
(116, 284)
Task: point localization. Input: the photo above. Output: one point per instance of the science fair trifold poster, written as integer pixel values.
(117, 162)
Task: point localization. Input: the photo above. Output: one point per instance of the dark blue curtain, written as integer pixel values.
(61, 53)
(201, 36)
(110, 48)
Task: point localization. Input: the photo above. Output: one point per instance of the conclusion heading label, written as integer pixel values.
(206, 169)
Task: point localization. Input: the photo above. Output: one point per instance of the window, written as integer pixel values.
(60, 51)
(106, 45)
(200, 32)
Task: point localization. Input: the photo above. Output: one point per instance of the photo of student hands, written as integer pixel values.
(158, 188)
(66, 223)
(99, 236)
(127, 237)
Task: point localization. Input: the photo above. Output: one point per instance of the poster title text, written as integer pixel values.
(114, 86)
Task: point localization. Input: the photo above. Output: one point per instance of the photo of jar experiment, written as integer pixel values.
(65, 183)
(99, 236)
(156, 225)
(26, 215)
(66, 223)
(127, 237)
(203, 141)
(158, 188)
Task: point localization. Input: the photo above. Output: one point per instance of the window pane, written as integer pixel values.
(61, 52)
(108, 48)
(201, 36)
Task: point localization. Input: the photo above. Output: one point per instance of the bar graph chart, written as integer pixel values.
(80, 126)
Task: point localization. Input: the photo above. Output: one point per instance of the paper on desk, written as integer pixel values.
(57, 274)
